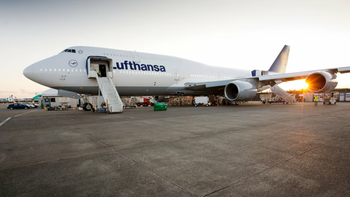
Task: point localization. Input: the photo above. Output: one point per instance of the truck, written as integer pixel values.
(144, 101)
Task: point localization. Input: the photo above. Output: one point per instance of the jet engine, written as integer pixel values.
(240, 91)
(321, 81)
(159, 98)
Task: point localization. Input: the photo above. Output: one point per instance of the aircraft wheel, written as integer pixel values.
(146, 104)
(87, 107)
(138, 104)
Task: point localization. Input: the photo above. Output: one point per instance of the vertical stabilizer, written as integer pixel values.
(280, 63)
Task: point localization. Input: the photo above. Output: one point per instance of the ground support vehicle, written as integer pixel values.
(201, 100)
(142, 101)
(330, 101)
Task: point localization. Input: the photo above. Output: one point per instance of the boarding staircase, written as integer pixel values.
(110, 94)
(288, 98)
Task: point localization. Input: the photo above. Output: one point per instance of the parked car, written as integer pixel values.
(36, 103)
(29, 104)
(17, 106)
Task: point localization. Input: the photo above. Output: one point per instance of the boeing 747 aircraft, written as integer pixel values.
(130, 73)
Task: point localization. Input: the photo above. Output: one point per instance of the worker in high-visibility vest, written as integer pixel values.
(316, 100)
(99, 73)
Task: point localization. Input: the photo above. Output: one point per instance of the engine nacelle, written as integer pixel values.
(321, 81)
(240, 91)
(159, 98)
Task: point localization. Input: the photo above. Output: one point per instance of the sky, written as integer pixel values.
(234, 33)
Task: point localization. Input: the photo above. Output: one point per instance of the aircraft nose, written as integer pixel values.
(28, 72)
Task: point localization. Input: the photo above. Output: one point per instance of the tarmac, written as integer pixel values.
(247, 150)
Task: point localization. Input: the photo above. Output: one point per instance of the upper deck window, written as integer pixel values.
(68, 51)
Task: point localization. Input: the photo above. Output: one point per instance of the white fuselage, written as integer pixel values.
(132, 72)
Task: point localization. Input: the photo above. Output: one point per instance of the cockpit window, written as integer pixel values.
(68, 51)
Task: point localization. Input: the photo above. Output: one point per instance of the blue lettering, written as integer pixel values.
(135, 66)
(162, 69)
(121, 66)
(149, 67)
(131, 67)
(156, 68)
(144, 67)
(126, 64)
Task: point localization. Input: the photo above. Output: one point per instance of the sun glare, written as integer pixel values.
(295, 85)
(305, 85)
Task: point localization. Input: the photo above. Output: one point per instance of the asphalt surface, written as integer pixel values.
(247, 150)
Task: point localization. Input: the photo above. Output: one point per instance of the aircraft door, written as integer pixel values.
(135, 56)
(176, 75)
(103, 70)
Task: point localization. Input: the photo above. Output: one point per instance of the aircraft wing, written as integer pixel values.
(301, 75)
(265, 79)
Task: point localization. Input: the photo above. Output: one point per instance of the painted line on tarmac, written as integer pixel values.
(24, 113)
(3, 122)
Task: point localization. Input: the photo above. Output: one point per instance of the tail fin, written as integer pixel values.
(280, 63)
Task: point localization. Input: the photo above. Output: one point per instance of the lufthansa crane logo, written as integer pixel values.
(284, 58)
(73, 63)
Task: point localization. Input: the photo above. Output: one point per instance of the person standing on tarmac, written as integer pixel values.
(316, 100)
